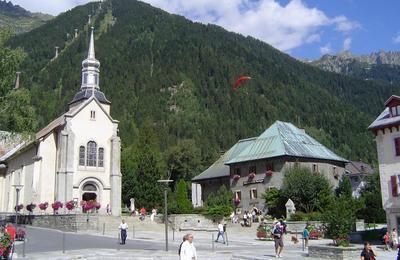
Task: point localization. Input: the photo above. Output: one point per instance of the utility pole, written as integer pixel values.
(166, 182)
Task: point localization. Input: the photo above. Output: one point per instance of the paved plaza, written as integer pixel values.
(150, 244)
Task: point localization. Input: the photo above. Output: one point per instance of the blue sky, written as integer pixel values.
(301, 28)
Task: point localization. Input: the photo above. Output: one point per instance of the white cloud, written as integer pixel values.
(326, 49)
(284, 26)
(346, 44)
(53, 7)
(396, 39)
(344, 25)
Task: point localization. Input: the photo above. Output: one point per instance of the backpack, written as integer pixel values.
(180, 247)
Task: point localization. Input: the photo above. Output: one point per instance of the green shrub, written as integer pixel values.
(301, 216)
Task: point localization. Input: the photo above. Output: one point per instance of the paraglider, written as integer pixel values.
(239, 82)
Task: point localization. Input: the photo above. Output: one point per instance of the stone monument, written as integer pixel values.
(290, 208)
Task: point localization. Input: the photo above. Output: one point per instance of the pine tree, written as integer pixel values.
(183, 204)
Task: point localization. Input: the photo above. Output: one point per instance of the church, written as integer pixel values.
(75, 157)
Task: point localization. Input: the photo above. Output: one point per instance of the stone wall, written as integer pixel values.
(192, 222)
(332, 252)
(69, 223)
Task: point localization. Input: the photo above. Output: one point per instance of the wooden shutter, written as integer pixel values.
(395, 189)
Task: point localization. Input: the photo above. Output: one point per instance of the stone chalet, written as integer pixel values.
(256, 164)
(357, 173)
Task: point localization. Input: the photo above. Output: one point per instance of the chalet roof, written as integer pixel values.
(280, 139)
(384, 120)
(353, 167)
(285, 139)
(219, 169)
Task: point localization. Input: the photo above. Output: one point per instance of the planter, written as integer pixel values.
(261, 234)
(334, 252)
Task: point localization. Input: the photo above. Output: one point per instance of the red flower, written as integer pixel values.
(43, 206)
(236, 177)
(70, 205)
(236, 201)
(252, 175)
(30, 207)
(57, 205)
(268, 173)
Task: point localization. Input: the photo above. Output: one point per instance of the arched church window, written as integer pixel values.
(82, 155)
(101, 157)
(89, 187)
(91, 159)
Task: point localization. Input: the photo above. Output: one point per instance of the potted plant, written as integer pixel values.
(236, 177)
(97, 206)
(43, 206)
(252, 175)
(56, 206)
(30, 207)
(236, 201)
(19, 207)
(5, 245)
(268, 173)
(70, 205)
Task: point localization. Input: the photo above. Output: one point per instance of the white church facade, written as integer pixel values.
(75, 157)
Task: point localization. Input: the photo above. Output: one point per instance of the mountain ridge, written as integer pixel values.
(178, 74)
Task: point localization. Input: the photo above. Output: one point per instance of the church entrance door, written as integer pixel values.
(89, 196)
(89, 192)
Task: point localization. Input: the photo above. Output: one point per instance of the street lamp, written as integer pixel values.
(18, 188)
(166, 210)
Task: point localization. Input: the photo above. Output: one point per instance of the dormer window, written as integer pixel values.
(395, 111)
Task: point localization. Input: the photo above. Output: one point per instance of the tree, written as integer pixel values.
(184, 160)
(344, 188)
(340, 217)
(219, 205)
(146, 168)
(274, 202)
(307, 190)
(181, 203)
(371, 197)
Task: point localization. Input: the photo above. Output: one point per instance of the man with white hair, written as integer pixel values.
(123, 227)
(188, 251)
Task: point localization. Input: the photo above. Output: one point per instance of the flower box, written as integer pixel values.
(268, 173)
(252, 175)
(236, 177)
(30, 207)
(43, 206)
(236, 201)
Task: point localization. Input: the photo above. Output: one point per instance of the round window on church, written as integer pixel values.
(89, 187)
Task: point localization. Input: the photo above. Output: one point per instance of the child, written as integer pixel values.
(386, 240)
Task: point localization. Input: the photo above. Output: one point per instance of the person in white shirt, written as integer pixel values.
(188, 251)
(123, 227)
(153, 214)
(220, 232)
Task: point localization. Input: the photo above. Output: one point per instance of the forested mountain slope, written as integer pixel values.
(178, 75)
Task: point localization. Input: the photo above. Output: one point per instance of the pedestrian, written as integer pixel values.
(367, 253)
(394, 239)
(142, 213)
(245, 219)
(278, 239)
(153, 214)
(188, 251)
(123, 227)
(108, 209)
(180, 246)
(220, 232)
(306, 235)
(386, 240)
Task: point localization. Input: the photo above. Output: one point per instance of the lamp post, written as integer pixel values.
(166, 210)
(18, 188)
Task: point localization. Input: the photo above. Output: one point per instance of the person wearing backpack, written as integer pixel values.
(306, 235)
(278, 239)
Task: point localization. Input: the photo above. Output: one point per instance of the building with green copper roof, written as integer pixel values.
(253, 165)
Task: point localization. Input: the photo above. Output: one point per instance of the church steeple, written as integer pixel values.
(90, 68)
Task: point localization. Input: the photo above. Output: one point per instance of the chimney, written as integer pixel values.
(55, 57)
(76, 33)
(16, 86)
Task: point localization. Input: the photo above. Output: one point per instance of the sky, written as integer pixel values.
(304, 29)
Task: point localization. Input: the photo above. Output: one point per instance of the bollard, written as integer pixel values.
(119, 241)
(23, 248)
(226, 236)
(104, 228)
(133, 231)
(63, 242)
(173, 234)
(212, 241)
(302, 240)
